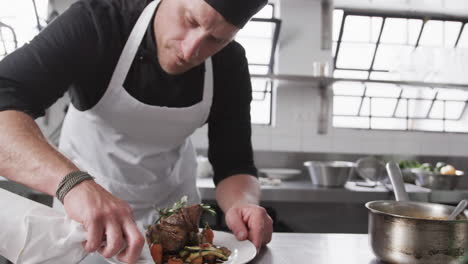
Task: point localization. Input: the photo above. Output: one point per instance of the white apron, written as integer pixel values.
(138, 152)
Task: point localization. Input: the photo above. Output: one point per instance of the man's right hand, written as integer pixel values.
(103, 214)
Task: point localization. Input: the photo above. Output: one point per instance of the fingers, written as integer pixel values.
(135, 243)
(252, 222)
(114, 240)
(268, 230)
(236, 224)
(95, 232)
(257, 227)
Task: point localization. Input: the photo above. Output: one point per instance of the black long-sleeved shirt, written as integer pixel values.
(78, 52)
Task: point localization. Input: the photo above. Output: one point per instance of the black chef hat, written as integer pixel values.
(237, 12)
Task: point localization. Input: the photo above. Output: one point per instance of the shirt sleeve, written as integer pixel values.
(229, 128)
(35, 75)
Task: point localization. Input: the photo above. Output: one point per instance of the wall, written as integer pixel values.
(296, 105)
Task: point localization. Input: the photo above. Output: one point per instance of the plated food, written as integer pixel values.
(175, 237)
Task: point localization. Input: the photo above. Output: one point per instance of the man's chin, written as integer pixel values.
(175, 69)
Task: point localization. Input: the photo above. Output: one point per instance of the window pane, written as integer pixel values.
(427, 125)
(440, 33)
(351, 122)
(437, 110)
(385, 76)
(348, 88)
(346, 105)
(452, 30)
(402, 108)
(257, 29)
(7, 42)
(388, 123)
(259, 95)
(260, 85)
(20, 15)
(365, 108)
(454, 110)
(258, 50)
(413, 108)
(382, 90)
(456, 126)
(355, 55)
(362, 29)
(401, 31)
(463, 42)
(266, 12)
(416, 92)
(258, 69)
(350, 74)
(383, 106)
(261, 101)
(388, 56)
(452, 94)
(337, 19)
(261, 110)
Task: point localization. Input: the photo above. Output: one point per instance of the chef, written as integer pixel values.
(142, 76)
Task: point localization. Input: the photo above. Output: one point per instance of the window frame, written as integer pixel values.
(399, 99)
(269, 84)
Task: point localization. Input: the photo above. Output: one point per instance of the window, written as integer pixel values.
(20, 21)
(410, 72)
(259, 38)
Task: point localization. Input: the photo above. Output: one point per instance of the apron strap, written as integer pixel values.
(131, 47)
(208, 82)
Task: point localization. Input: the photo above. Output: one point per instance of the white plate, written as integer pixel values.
(282, 174)
(242, 251)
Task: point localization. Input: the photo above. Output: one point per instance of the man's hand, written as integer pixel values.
(250, 221)
(104, 215)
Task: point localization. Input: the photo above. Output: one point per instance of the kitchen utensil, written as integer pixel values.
(329, 173)
(408, 232)
(437, 181)
(279, 173)
(460, 208)
(396, 178)
(373, 170)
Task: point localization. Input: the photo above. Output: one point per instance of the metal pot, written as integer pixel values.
(437, 181)
(408, 232)
(415, 232)
(329, 173)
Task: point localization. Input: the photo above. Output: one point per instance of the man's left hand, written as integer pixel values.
(252, 222)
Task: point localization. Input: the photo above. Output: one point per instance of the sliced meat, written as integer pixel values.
(192, 215)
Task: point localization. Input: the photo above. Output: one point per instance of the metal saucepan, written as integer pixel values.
(408, 232)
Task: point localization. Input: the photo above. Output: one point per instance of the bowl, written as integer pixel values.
(437, 181)
(329, 173)
(279, 173)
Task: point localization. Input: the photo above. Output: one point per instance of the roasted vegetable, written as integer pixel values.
(207, 234)
(175, 260)
(157, 253)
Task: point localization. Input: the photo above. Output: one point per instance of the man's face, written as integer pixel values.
(188, 32)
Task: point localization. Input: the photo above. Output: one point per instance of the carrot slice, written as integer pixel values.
(175, 261)
(157, 253)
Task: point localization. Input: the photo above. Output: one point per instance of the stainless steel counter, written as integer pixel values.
(286, 248)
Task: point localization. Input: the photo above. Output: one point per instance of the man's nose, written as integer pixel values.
(191, 46)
